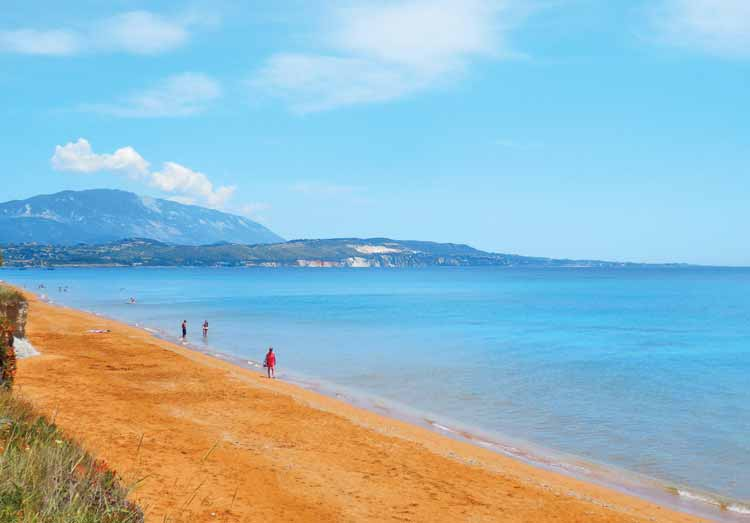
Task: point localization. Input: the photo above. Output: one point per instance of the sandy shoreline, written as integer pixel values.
(210, 441)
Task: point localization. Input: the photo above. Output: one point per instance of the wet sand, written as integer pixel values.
(210, 441)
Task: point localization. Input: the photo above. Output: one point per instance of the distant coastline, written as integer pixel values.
(317, 253)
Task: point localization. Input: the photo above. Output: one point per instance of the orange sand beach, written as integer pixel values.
(209, 441)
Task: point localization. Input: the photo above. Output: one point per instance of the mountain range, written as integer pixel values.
(104, 215)
(115, 228)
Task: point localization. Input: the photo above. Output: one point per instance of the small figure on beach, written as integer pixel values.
(270, 363)
(205, 328)
(184, 329)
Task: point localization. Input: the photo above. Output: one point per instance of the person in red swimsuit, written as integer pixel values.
(270, 363)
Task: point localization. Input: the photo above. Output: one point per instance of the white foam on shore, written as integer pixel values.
(442, 427)
(735, 508)
(24, 348)
(697, 497)
(739, 509)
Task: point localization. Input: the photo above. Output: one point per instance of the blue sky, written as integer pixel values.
(567, 128)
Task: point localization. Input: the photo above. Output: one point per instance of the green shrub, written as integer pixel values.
(10, 296)
(12, 319)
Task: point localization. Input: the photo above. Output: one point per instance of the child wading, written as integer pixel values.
(270, 363)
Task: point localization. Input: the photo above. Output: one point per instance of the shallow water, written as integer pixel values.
(647, 370)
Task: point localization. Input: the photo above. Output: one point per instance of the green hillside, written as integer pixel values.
(342, 252)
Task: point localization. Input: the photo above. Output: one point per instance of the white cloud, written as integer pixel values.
(178, 95)
(176, 178)
(184, 184)
(426, 34)
(381, 50)
(316, 83)
(135, 32)
(719, 27)
(30, 41)
(79, 157)
(140, 32)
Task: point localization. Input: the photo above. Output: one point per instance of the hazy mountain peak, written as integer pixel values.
(102, 215)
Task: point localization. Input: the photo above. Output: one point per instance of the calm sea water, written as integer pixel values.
(647, 370)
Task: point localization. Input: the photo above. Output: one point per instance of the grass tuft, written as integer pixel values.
(47, 478)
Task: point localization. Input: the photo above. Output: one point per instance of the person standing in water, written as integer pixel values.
(184, 329)
(270, 363)
(205, 328)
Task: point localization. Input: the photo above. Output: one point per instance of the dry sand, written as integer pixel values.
(210, 441)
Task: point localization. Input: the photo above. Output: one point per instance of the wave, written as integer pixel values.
(694, 496)
(739, 509)
(713, 501)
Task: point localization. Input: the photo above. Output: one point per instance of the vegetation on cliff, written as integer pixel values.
(12, 305)
(46, 478)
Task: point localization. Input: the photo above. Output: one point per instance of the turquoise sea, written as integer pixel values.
(640, 377)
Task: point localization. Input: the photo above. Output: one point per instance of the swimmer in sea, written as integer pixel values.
(205, 328)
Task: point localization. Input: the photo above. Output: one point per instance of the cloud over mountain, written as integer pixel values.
(185, 184)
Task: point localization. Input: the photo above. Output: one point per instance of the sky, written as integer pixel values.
(566, 128)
